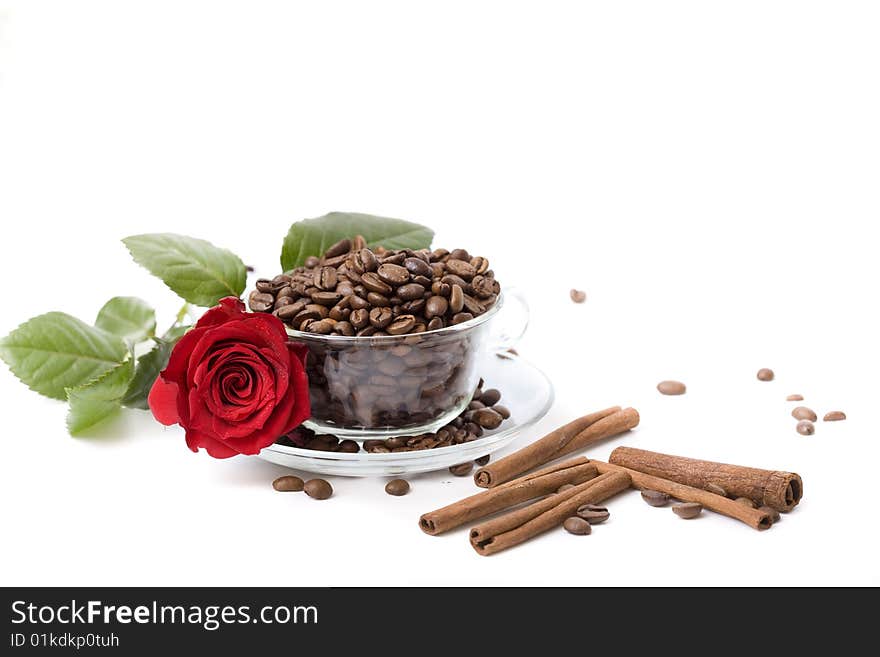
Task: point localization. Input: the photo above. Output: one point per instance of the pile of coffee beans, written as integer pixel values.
(484, 413)
(355, 291)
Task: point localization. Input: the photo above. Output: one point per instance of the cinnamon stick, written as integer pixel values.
(564, 440)
(538, 484)
(522, 524)
(776, 489)
(725, 506)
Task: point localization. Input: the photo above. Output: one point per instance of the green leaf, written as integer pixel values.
(55, 351)
(98, 400)
(130, 318)
(311, 237)
(148, 367)
(194, 269)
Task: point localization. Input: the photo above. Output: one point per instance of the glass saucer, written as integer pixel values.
(525, 390)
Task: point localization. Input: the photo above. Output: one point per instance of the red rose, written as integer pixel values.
(235, 382)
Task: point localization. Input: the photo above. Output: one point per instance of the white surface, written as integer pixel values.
(707, 172)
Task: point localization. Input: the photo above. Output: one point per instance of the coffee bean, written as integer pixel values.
(378, 301)
(502, 411)
(397, 487)
(803, 413)
(564, 487)
(403, 324)
(794, 398)
(318, 489)
(436, 324)
(410, 291)
(655, 497)
(671, 388)
(746, 501)
(480, 264)
(715, 488)
(834, 416)
(578, 296)
(436, 306)
(393, 274)
(344, 328)
(326, 298)
(773, 513)
(359, 318)
(325, 278)
(487, 418)
(806, 428)
(418, 267)
(348, 447)
(462, 469)
(483, 460)
(373, 283)
(577, 526)
(765, 374)
(380, 317)
(260, 302)
(288, 483)
(461, 318)
(593, 513)
(490, 397)
(687, 510)
(311, 262)
(456, 299)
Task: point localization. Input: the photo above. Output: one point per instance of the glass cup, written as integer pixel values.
(396, 385)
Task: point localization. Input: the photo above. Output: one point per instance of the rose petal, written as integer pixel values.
(229, 309)
(163, 401)
(214, 447)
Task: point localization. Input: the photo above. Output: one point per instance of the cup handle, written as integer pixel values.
(512, 322)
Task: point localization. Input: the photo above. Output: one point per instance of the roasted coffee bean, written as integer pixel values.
(321, 326)
(395, 442)
(487, 418)
(348, 447)
(380, 317)
(326, 298)
(280, 302)
(834, 416)
(462, 469)
(715, 488)
(483, 287)
(501, 410)
(577, 526)
(593, 513)
(318, 489)
(436, 324)
(393, 258)
(456, 299)
(288, 483)
(359, 318)
(418, 267)
(356, 302)
(365, 261)
(773, 513)
(414, 307)
(671, 388)
(483, 460)
(459, 254)
(436, 306)
(461, 318)
(765, 374)
(578, 296)
(490, 397)
(441, 289)
(260, 302)
(746, 501)
(325, 278)
(378, 301)
(397, 487)
(339, 313)
(472, 306)
(806, 428)
(311, 262)
(564, 487)
(794, 398)
(393, 274)
(342, 246)
(803, 413)
(461, 268)
(344, 328)
(403, 324)
(655, 497)
(687, 510)
(287, 312)
(373, 283)
(480, 264)
(410, 291)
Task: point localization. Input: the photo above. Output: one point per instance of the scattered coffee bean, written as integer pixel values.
(671, 388)
(318, 489)
(746, 501)
(578, 526)
(794, 398)
(490, 397)
(348, 447)
(483, 460)
(765, 374)
(806, 428)
(593, 513)
(687, 510)
(397, 487)
(462, 469)
(834, 416)
(773, 513)
(487, 418)
(715, 488)
(564, 487)
(288, 483)
(655, 497)
(502, 411)
(804, 413)
(578, 296)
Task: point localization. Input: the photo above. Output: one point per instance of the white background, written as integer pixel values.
(707, 172)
